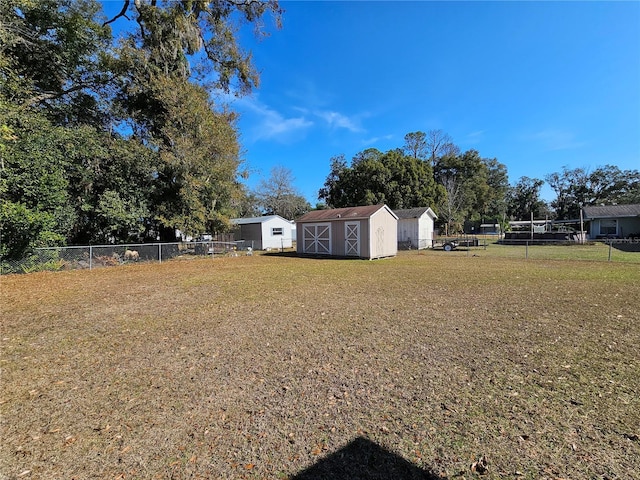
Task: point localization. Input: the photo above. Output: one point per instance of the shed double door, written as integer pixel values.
(316, 239)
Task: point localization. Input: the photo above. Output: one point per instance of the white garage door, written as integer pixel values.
(316, 238)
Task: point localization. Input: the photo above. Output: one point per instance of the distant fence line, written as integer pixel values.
(97, 256)
(574, 247)
(623, 244)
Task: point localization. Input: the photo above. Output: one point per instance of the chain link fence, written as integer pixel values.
(99, 256)
(571, 248)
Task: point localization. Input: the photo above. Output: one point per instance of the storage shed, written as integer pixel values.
(415, 227)
(270, 232)
(363, 232)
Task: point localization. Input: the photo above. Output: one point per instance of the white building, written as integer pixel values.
(271, 232)
(415, 227)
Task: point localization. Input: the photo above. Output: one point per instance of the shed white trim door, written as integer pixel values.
(316, 238)
(352, 239)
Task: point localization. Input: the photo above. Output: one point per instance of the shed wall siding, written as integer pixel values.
(426, 232)
(384, 235)
(270, 241)
(417, 231)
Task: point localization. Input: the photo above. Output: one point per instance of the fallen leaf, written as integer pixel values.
(480, 467)
(249, 466)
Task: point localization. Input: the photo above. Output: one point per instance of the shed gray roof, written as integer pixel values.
(348, 213)
(266, 218)
(414, 212)
(612, 211)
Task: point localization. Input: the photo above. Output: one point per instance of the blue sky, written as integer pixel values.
(537, 85)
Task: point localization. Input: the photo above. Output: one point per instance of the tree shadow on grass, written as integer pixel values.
(363, 459)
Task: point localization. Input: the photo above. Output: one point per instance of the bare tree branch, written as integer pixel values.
(123, 13)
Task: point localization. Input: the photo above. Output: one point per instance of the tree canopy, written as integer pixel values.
(115, 140)
(429, 170)
(459, 187)
(605, 185)
(399, 180)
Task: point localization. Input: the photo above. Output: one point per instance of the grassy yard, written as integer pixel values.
(281, 367)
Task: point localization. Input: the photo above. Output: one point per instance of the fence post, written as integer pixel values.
(610, 244)
(90, 257)
(526, 250)
(159, 253)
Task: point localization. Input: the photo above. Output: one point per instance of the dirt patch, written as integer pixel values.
(269, 367)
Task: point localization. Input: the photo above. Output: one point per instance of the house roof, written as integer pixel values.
(612, 211)
(414, 212)
(348, 213)
(266, 218)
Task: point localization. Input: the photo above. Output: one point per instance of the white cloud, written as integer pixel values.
(555, 139)
(338, 120)
(374, 140)
(263, 122)
(475, 137)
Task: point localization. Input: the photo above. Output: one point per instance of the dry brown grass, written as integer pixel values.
(259, 367)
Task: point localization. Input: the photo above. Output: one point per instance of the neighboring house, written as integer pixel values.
(270, 232)
(415, 227)
(620, 221)
(363, 232)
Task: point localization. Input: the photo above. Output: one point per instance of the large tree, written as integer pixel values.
(415, 144)
(197, 185)
(480, 184)
(191, 38)
(35, 208)
(606, 185)
(439, 144)
(523, 200)
(53, 57)
(174, 42)
(129, 141)
(277, 195)
(399, 180)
